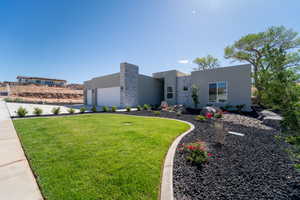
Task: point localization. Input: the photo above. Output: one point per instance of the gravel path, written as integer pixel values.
(254, 166)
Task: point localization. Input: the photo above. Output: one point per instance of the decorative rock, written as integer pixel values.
(180, 108)
(271, 119)
(210, 109)
(274, 121)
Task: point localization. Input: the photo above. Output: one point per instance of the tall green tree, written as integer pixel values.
(207, 62)
(280, 90)
(251, 49)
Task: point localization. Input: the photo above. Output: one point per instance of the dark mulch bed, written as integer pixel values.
(251, 167)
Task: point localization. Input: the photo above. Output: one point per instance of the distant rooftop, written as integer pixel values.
(39, 78)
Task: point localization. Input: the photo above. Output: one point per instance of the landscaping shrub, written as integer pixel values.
(56, 110)
(196, 152)
(114, 109)
(297, 166)
(156, 113)
(209, 115)
(82, 110)
(128, 108)
(240, 107)
(105, 109)
(7, 99)
(22, 112)
(37, 111)
(139, 108)
(18, 100)
(94, 109)
(294, 140)
(218, 115)
(200, 118)
(227, 107)
(71, 110)
(146, 107)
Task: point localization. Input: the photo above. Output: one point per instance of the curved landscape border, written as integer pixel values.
(166, 188)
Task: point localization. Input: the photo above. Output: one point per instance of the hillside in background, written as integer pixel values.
(45, 94)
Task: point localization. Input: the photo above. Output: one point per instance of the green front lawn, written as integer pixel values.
(100, 156)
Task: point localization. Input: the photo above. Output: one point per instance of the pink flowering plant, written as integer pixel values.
(196, 152)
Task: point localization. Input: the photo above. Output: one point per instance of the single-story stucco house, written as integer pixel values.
(220, 86)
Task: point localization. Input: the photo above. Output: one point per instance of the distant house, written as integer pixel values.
(41, 81)
(220, 86)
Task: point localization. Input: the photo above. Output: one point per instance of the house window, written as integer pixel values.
(169, 92)
(185, 88)
(218, 92)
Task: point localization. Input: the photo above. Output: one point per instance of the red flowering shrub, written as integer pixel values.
(196, 152)
(208, 115)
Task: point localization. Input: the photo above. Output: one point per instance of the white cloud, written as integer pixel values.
(183, 61)
(194, 12)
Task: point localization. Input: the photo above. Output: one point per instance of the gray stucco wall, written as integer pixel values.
(150, 90)
(238, 79)
(170, 80)
(112, 80)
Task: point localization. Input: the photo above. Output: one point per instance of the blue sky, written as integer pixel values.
(80, 39)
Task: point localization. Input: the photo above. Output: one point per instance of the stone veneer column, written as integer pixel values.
(129, 78)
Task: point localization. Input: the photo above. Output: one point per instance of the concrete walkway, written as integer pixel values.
(16, 179)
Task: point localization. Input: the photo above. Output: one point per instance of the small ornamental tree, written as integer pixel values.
(195, 97)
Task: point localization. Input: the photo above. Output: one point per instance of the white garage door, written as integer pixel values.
(89, 97)
(108, 96)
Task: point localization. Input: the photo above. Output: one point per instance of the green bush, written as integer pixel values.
(105, 109)
(294, 140)
(139, 108)
(228, 107)
(7, 99)
(18, 100)
(297, 166)
(200, 118)
(114, 109)
(71, 110)
(82, 110)
(218, 115)
(56, 110)
(156, 113)
(94, 109)
(37, 111)
(22, 112)
(146, 107)
(128, 108)
(240, 107)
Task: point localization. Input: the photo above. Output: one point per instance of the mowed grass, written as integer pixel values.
(100, 156)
